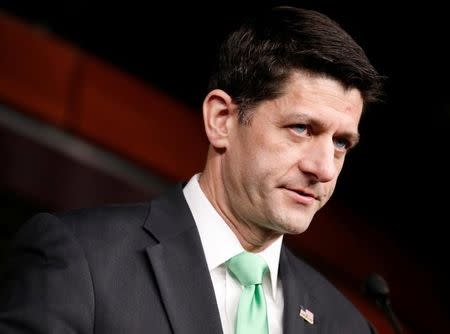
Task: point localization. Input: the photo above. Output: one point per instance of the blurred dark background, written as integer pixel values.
(397, 178)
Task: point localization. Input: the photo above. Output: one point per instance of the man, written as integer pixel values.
(282, 113)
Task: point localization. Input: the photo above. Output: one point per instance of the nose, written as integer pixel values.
(318, 161)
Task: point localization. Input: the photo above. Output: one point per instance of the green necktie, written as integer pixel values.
(251, 316)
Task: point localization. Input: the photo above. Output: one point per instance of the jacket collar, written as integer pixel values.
(180, 266)
(297, 297)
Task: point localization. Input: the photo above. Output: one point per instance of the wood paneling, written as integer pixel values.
(36, 70)
(48, 79)
(143, 123)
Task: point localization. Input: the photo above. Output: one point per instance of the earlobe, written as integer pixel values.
(219, 112)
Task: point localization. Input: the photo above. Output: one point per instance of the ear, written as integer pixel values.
(219, 116)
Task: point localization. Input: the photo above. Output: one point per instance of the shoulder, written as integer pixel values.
(101, 222)
(107, 217)
(106, 225)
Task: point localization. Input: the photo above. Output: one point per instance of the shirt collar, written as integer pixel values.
(214, 231)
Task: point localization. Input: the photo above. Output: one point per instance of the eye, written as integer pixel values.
(299, 128)
(342, 144)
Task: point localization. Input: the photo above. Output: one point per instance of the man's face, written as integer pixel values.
(279, 170)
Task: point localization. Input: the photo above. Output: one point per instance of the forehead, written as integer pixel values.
(318, 96)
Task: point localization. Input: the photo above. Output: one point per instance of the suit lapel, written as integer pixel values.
(296, 296)
(180, 267)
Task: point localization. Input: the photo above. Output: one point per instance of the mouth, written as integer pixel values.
(303, 193)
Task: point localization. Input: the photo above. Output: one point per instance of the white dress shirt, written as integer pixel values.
(219, 245)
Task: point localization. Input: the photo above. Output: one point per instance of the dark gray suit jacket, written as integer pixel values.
(140, 268)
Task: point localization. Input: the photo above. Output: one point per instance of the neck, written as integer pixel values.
(253, 237)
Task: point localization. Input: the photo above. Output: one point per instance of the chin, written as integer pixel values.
(290, 220)
(298, 229)
(294, 227)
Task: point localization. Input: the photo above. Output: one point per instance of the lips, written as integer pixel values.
(304, 192)
(302, 196)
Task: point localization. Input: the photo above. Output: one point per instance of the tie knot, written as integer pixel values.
(248, 268)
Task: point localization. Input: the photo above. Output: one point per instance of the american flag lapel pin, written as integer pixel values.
(307, 315)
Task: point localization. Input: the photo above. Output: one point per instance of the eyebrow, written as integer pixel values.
(352, 137)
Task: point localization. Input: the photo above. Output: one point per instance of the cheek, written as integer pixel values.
(265, 162)
(328, 191)
(339, 166)
(260, 158)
